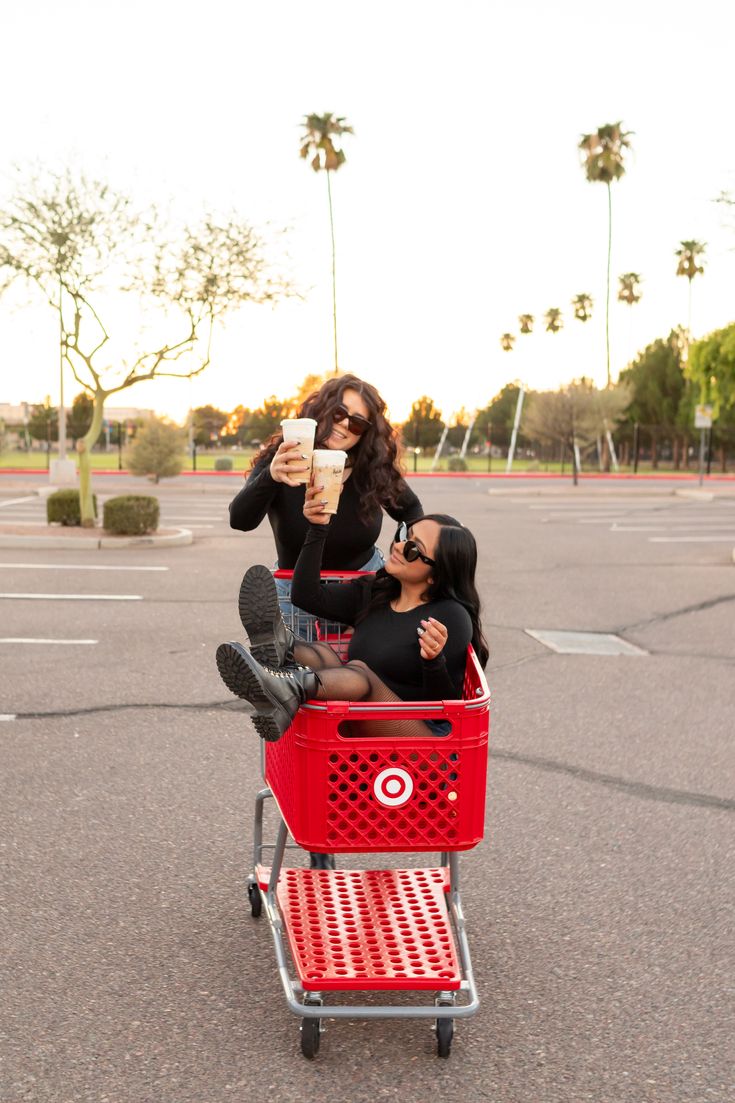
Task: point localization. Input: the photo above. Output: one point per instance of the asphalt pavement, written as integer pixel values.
(599, 905)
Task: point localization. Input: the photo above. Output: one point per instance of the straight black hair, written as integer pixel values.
(452, 576)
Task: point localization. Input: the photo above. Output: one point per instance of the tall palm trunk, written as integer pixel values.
(334, 274)
(607, 292)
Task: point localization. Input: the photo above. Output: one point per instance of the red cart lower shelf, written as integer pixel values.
(377, 929)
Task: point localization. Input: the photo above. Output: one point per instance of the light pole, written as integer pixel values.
(62, 470)
(62, 408)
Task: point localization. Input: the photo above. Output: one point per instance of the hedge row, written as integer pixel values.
(127, 515)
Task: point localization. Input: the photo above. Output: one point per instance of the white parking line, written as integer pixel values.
(664, 526)
(7, 716)
(17, 501)
(73, 567)
(72, 597)
(20, 639)
(593, 504)
(693, 539)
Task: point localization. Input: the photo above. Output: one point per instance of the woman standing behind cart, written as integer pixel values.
(413, 622)
(350, 416)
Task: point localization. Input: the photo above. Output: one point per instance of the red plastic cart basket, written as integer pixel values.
(341, 793)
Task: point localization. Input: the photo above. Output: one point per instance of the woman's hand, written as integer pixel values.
(287, 462)
(314, 504)
(432, 638)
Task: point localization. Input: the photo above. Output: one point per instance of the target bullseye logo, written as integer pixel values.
(393, 787)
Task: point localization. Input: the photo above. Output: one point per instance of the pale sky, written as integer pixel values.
(462, 202)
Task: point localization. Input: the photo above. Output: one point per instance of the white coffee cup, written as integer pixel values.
(300, 429)
(326, 470)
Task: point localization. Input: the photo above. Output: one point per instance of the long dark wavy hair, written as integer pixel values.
(374, 459)
(452, 576)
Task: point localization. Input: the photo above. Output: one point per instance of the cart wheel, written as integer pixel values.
(310, 1032)
(444, 1034)
(256, 900)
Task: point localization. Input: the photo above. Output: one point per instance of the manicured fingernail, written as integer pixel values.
(303, 457)
(324, 501)
(420, 630)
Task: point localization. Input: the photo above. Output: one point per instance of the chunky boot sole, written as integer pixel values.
(260, 614)
(242, 679)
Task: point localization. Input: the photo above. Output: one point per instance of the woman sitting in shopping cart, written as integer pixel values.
(413, 621)
(350, 416)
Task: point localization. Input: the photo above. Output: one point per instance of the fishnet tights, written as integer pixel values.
(355, 681)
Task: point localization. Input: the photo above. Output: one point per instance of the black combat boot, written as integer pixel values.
(274, 694)
(271, 642)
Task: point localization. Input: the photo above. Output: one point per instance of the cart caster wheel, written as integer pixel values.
(310, 1033)
(444, 1034)
(256, 900)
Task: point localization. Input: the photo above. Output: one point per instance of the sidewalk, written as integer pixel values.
(15, 534)
(67, 536)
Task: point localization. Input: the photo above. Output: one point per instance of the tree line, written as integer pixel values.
(651, 408)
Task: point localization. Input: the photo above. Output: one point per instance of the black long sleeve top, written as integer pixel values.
(385, 640)
(351, 540)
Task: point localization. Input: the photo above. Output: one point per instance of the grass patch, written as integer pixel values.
(206, 461)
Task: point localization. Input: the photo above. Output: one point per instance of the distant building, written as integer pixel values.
(18, 414)
(15, 416)
(127, 413)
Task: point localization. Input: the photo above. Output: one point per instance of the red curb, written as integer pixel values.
(682, 475)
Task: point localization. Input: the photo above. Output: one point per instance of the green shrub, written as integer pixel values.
(223, 463)
(62, 507)
(158, 451)
(130, 515)
(456, 463)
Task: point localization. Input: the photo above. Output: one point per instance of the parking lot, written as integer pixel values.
(599, 906)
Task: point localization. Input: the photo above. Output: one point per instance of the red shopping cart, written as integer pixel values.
(341, 790)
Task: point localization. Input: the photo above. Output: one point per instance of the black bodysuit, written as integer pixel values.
(351, 538)
(386, 641)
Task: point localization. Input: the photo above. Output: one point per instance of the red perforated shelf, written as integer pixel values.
(369, 929)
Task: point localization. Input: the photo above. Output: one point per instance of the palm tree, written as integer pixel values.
(688, 254)
(603, 162)
(317, 142)
(525, 323)
(628, 291)
(582, 305)
(507, 341)
(553, 320)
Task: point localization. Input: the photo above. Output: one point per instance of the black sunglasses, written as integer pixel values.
(411, 551)
(358, 424)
